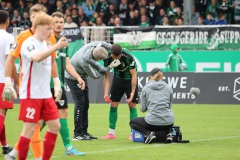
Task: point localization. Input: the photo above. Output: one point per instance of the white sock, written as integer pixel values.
(112, 131)
(5, 146)
(69, 148)
(13, 153)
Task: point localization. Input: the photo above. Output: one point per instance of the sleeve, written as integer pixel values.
(169, 58)
(91, 71)
(106, 45)
(181, 59)
(16, 46)
(52, 41)
(9, 44)
(27, 50)
(143, 105)
(132, 64)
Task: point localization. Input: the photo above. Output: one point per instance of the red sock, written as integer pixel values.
(49, 144)
(2, 130)
(3, 136)
(23, 146)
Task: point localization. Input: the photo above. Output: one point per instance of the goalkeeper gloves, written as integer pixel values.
(115, 63)
(57, 89)
(8, 92)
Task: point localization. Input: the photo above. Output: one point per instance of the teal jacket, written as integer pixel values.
(174, 60)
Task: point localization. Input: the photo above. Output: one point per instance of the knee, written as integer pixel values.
(55, 127)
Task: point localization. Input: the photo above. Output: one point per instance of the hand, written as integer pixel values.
(81, 83)
(57, 89)
(8, 92)
(130, 98)
(107, 99)
(62, 42)
(115, 63)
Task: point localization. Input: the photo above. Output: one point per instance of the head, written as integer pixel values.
(58, 20)
(100, 53)
(25, 15)
(180, 22)
(116, 51)
(4, 20)
(156, 74)
(69, 19)
(43, 26)
(209, 16)
(175, 48)
(117, 21)
(35, 10)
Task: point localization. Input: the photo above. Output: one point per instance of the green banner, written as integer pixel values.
(197, 61)
(198, 38)
(135, 38)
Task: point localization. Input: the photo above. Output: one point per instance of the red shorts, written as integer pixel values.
(4, 104)
(32, 110)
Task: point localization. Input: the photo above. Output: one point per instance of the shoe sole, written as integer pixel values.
(81, 139)
(148, 141)
(168, 141)
(75, 155)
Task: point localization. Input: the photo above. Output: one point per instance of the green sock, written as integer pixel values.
(113, 117)
(43, 125)
(64, 131)
(133, 114)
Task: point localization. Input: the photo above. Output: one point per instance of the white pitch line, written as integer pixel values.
(147, 146)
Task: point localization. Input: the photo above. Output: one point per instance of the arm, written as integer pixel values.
(54, 71)
(39, 56)
(106, 83)
(133, 72)
(71, 70)
(106, 45)
(143, 105)
(56, 81)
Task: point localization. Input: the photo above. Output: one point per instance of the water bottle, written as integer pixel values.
(174, 134)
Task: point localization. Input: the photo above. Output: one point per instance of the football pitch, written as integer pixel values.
(213, 131)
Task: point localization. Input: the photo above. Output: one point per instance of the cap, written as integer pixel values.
(155, 70)
(100, 53)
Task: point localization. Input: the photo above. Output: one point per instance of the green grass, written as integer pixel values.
(213, 131)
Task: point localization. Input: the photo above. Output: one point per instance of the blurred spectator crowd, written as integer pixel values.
(126, 12)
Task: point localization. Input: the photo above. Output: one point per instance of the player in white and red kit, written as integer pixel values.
(6, 40)
(36, 102)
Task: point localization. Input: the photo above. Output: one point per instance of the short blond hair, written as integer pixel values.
(100, 53)
(57, 14)
(42, 19)
(37, 8)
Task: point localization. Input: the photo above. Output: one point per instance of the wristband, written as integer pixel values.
(56, 80)
(8, 79)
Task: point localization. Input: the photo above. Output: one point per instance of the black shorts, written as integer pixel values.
(62, 104)
(121, 86)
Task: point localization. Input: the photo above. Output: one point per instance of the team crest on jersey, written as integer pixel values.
(31, 48)
(13, 46)
(123, 64)
(61, 102)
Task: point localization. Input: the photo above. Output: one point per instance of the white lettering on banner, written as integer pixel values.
(216, 67)
(141, 82)
(174, 81)
(183, 95)
(197, 37)
(70, 32)
(185, 37)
